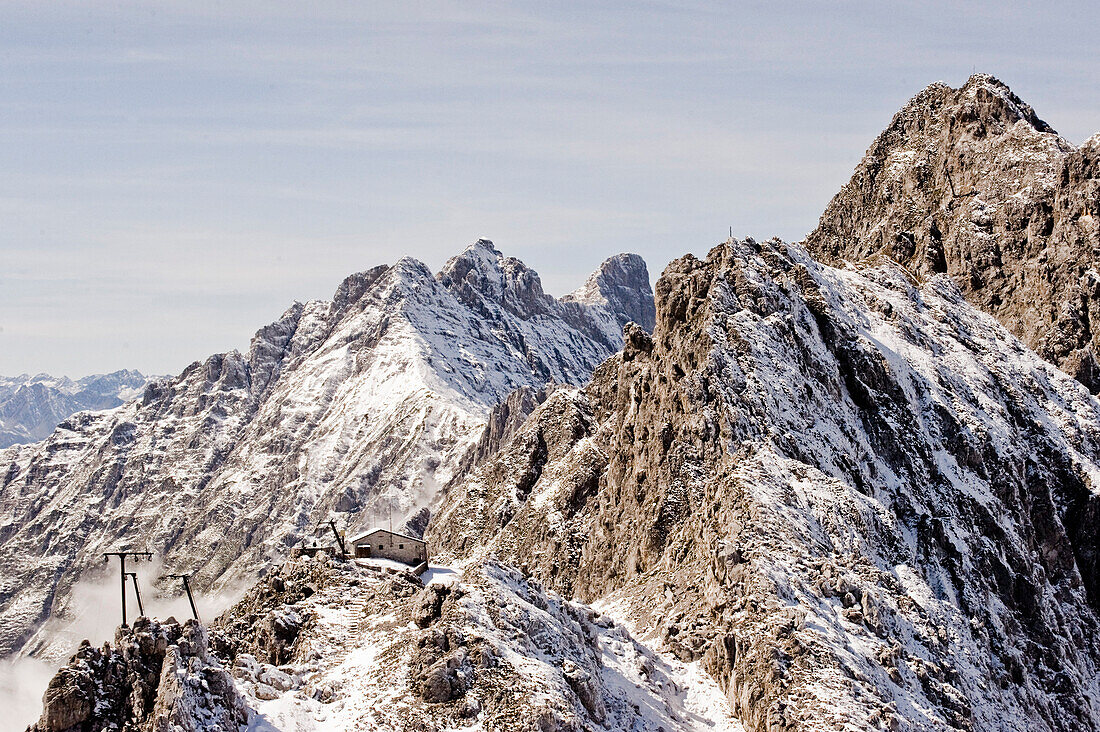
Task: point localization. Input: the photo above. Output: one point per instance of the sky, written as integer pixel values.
(173, 175)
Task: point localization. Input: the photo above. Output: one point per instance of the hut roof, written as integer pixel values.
(374, 531)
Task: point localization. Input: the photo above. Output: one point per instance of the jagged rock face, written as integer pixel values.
(362, 405)
(32, 406)
(490, 283)
(856, 499)
(504, 420)
(268, 621)
(552, 449)
(158, 677)
(970, 182)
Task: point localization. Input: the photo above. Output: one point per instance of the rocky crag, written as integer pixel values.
(327, 645)
(857, 500)
(359, 407)
(972, 183)
(157, 677)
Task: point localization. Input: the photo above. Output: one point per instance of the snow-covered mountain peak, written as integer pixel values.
(861, 503)
(478, 265)
(359, 407)
(971, 183)
(497, 286)
(411, 269)
(992, 98)
(617, 285)
(982, 98)
(484, 279)
(353, 286)
(31, 406)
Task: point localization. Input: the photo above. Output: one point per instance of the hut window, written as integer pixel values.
(400, 546)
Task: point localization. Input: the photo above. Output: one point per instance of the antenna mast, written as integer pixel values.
(339, 539)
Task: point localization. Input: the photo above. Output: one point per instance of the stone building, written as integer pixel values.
(383, 544)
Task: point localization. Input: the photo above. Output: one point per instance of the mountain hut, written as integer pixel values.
(383, 544)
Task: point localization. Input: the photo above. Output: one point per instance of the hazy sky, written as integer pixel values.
(174, 175)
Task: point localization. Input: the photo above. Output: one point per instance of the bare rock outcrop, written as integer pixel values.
(157, 677)
(504, 420)
(972, 183)
(461, 667)
(486, 648)
(268, 621)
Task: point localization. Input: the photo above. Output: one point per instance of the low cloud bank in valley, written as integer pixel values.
(94, 613)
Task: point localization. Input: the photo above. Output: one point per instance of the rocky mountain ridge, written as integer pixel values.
(358, 407)
(328, 645)
(858, 501)
(971, 182)
(373, 648)
(156, 677)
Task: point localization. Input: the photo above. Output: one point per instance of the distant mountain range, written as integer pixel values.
(32, 406)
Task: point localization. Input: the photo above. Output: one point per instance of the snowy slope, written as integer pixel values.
(360, 406)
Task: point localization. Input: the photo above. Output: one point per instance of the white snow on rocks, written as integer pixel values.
(861, 502)
(525, 657)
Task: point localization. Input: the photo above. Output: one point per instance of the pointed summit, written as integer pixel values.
(482, 277)
(972, 183)
(622, 285)
(984, 104)
(480, 260)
